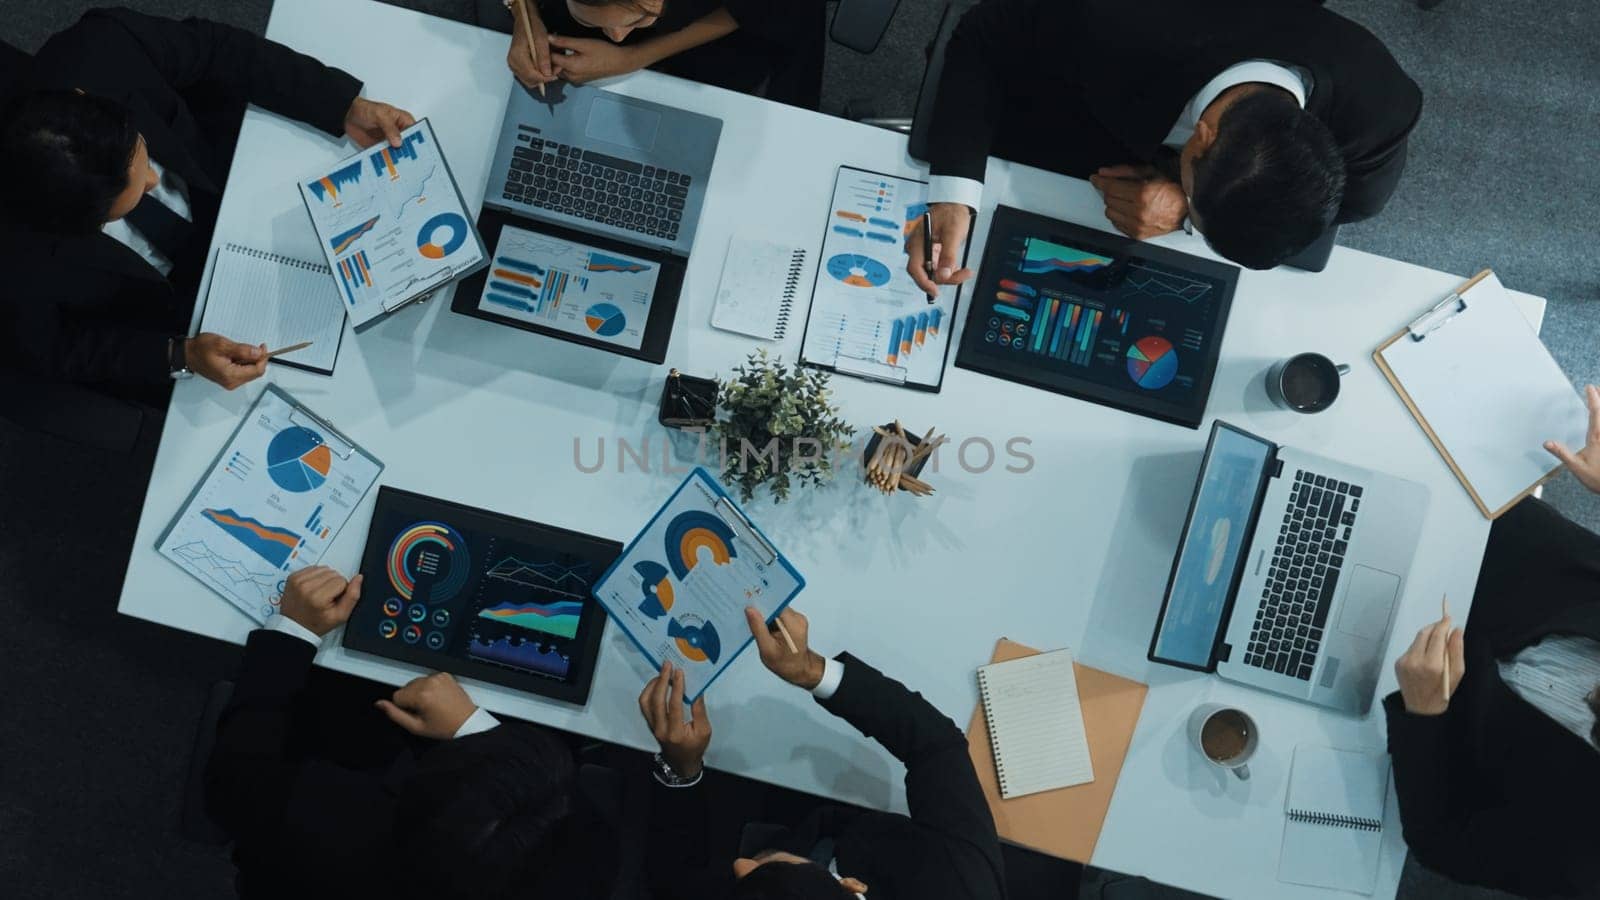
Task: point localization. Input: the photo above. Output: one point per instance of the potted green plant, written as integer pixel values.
(776, 427)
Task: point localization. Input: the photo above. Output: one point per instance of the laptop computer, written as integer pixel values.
(604, 191)
(1289, 571)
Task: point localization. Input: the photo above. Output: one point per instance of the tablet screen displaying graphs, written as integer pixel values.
(481, 595)
(1097, 316)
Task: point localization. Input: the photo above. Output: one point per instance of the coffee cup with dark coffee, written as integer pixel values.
(1305, 382)
(1227, 737)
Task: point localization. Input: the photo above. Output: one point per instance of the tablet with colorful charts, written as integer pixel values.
(680, 589)
(1097, 316)
(481, 595)
(392, 225)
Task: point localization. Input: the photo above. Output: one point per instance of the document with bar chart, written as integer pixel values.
(571, 287)
(273, 501)
(1097, 316)
(868, 318)
(392, 224)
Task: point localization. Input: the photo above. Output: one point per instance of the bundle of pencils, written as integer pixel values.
(889, 469)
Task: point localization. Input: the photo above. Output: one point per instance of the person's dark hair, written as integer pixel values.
(1594, 707)
(648, 7)
(66, 158)
(479, 815)
(790, 881)
(1270, 184)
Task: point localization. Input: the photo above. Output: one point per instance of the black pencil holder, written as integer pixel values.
(688, 401)
(912, 440)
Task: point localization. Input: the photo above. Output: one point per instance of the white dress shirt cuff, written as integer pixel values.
(480, 720)
(832, 674)
(281, 622)
(950, 189)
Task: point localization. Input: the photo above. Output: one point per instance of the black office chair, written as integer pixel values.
(194, 823)
(860, 24)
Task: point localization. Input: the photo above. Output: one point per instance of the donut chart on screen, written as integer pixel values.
(1152, 363)
(458, 230)
(433, 549)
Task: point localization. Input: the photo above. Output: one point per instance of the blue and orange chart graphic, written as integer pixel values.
(657, 588)
(433, 551)
(693, 531)
(273, 544)
(696, 639)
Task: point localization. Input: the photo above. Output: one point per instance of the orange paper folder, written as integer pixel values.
(1064, 823)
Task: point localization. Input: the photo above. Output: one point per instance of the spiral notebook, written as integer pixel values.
(1035, 724)
(258, 297)
(1333, 828)
(760, 282)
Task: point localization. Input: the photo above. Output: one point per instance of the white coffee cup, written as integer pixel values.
(1231, 734)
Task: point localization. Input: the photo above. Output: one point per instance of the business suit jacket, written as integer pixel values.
(1494, 792)
(87, 309)
(1073, 85)
(946, 848)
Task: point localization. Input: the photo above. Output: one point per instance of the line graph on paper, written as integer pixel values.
(230, 574)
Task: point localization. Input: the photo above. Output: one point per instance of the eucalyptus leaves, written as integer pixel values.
(777, 427)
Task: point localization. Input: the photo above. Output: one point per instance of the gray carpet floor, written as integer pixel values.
(100, 710)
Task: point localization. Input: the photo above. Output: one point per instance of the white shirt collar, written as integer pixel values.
(1262, 71)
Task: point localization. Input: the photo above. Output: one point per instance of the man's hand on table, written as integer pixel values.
(683, 741)
(432, 706)
(1585, 464)
(369, 122)
(319, 599)
(1139, 201)
(951, 223)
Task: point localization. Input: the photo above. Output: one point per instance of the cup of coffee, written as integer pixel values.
(1225, 736)
(1305, 382)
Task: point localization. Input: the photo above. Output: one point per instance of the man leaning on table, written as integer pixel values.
(116, 146)
(1258, 123)
(1495, 731)
(324, 796)
(946, 848)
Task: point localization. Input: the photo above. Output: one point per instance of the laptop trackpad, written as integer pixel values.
(621, 123)
(1368, 602)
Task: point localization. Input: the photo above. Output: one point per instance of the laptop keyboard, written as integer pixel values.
(1304, 575)
(606, 189)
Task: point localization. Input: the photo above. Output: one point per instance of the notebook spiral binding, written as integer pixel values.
(1355, 823)
(994, 739)
(279, 258)
(791, 286)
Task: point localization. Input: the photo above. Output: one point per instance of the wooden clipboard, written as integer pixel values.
(1064, 823)
(1439, 309)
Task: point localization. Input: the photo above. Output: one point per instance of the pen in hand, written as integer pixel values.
(927, 246)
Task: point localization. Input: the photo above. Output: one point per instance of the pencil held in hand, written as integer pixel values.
(1444, 610)
(533, 42)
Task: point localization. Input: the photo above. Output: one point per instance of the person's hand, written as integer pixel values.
(1139, 201)
(683, 744)
(432, 706)
(1585, 464)
(1421, 669)
(519, 60)
(801, 667)
(228, 363)
(369, 122)
(319, 598)
(582, 60)
(951, 222)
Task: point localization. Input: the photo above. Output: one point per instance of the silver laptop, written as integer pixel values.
(605, 164)
(1289, 571)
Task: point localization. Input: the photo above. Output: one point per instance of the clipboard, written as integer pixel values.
(1464, 320)
(680, 588)
(275, 498)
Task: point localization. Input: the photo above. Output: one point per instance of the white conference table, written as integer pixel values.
(1073, 553)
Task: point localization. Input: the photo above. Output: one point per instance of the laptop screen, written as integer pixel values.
(1218, 531)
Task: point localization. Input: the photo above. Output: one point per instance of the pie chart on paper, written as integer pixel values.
(605, 320)
(1152, 363)
(298, 460)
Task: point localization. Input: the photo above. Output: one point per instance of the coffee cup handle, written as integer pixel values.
(1342, 369)
(1242, 771)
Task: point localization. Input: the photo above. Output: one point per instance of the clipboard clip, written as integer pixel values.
(1440, 315)
(736, 520)
(350, 447)
(870, 369)
(433, 281)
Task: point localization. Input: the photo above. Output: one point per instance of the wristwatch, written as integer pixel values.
(668, 776)
(177, 361)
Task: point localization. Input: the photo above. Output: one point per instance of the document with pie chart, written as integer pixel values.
(868, 318)
(392, 224)
(679, 591)
(567, 286)
(273, 501)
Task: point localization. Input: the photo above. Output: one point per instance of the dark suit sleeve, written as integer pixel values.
(1391, 110)
(679, 860)
(49, 341)
(971, 91)
(942, 787)
(1458, 827)
(197, 53)
(251, 776)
